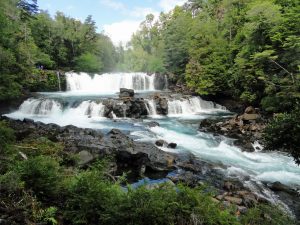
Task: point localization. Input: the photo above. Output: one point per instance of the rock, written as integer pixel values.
(277, 186)
(161, 106)
(248, 117)
(220, 197)
(242, 209)
(229, 186)
(153, 124)
(215, 200)
(161, 143)
(172, 145)
(250, 110)
(126, 107)
(234, 200)
(85, 157)
(185, 177)
(249, 200)
(124, 92)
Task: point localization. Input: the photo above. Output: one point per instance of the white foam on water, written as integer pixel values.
(271, 166)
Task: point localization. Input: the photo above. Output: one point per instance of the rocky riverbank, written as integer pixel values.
(246, 129)
(144, 159)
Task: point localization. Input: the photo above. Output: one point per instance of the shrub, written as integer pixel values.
(6, 135)
(266, 215)
(41, 175)
(94, 200)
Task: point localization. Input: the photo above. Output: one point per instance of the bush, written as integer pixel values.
(283, 133)
(266, 215)
(41, 175)
(94, 200)
(6, 135)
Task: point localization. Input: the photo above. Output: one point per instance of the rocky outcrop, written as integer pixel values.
(126, 93)
(161, 105)
(245, 129)
(91, 145)
(125, 107)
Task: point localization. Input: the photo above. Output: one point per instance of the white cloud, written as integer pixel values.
(140, 12)
(121, 31)
(113, 4)
(168, 5)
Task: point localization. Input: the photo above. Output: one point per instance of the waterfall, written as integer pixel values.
(88, 108)
(58, 80)
(109, 83)
(166, 82)
(49, 107)
(151, 107)
(191, 106)
(40, 107)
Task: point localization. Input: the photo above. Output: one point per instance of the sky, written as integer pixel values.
(118, 19)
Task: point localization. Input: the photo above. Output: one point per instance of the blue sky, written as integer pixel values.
(117, 18)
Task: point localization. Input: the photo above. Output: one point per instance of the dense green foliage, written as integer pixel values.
(283, 133)
(45, 189)
(31, 39)
(247, 49)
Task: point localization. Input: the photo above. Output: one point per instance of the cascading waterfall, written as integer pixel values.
(151, 107)
(49, 107)
(191, 106)
(88, 108)
(41, 107)
(58, 80)
(166, 82)
(109, 83)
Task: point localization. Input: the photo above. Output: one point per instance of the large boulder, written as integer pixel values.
(250, 110)
(161, 143)
(161, 105)
(125, 93)
(136, 108)
(140, 154)
(126, 107)
(248, 117)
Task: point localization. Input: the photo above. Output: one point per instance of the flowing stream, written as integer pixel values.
(82, 106)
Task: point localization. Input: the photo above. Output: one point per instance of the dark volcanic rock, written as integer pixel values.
(125, 107)
(172, 145)
(124, 92)
(91, 144)
(142, 153)
(161, 143)
(161, 105)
